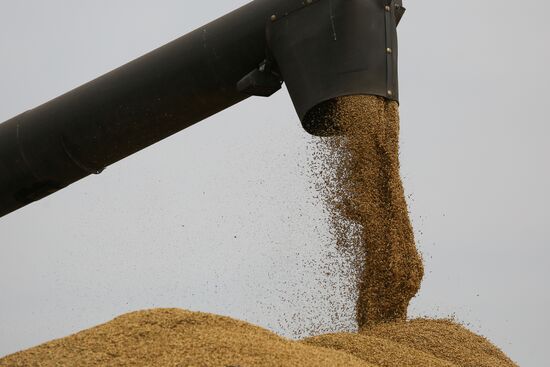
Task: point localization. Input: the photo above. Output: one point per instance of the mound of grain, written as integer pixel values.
(361, 185)
(378, 351)
(172, 337)
(443, 339)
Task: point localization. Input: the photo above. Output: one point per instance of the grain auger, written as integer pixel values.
(321, 50)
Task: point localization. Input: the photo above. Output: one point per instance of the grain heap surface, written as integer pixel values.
(379, 351)
(172, 337)
(444, 339)
(417, 343)
(362, 188)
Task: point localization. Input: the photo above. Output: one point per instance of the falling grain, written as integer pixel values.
(362, 188)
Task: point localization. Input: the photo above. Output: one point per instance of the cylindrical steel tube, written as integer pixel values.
(130, 108)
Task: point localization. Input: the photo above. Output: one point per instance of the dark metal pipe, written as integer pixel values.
(194, 77)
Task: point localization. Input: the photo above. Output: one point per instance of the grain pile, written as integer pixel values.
(361, 185)
(172, 337)
(417, 343)
(443, 339)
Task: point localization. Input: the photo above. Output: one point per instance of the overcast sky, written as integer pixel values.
(221, 217)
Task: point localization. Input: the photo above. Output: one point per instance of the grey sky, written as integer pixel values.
(220, 217)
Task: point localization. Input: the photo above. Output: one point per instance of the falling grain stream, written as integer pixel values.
(362, 189)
